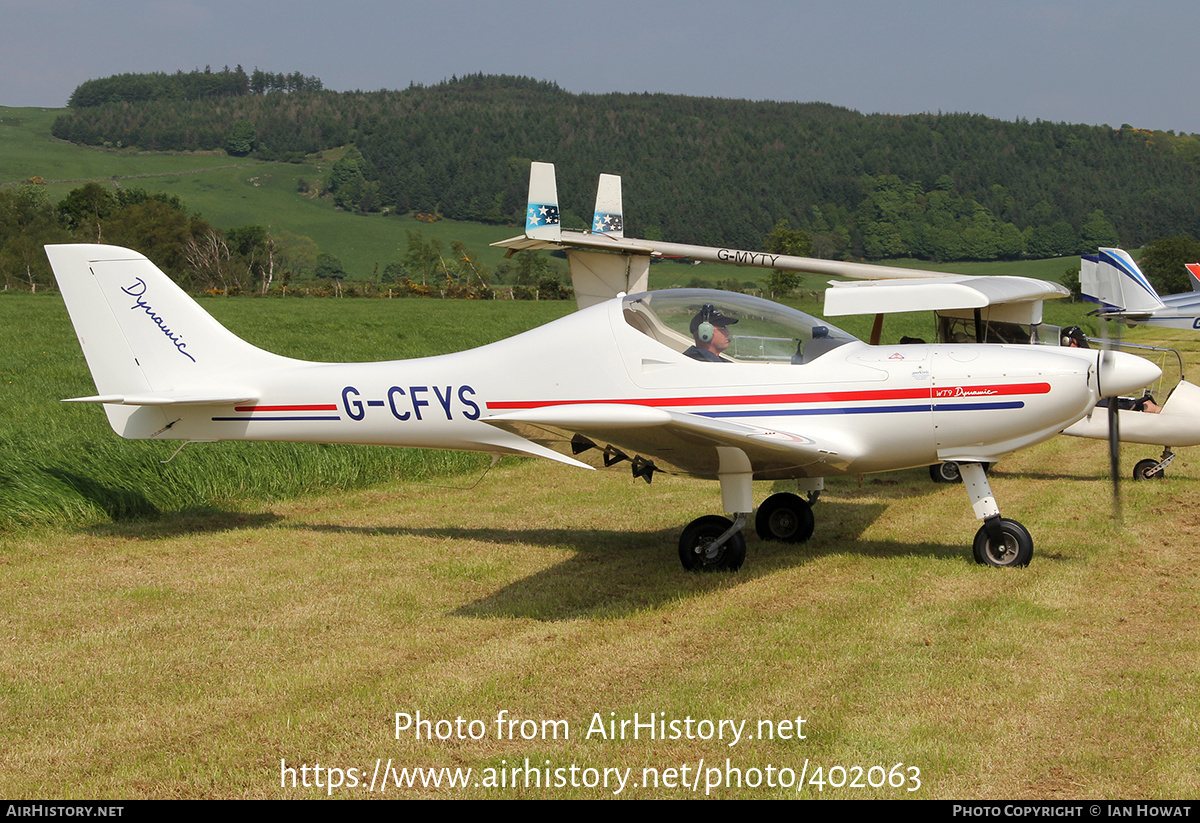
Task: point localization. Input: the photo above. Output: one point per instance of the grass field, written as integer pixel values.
(216, 629)
(202, 627)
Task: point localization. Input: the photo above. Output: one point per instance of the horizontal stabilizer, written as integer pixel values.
(167, 399)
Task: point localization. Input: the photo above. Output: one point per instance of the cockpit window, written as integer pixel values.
(962, 330)
(759, 331)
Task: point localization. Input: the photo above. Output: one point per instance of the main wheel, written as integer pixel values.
(945, 473)
(785, 517)
(696, 550)
(1015, 549)
(1144, 470)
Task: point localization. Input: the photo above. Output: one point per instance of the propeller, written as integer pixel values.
(1114, 420)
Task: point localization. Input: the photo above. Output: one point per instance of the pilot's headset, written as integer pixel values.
(706, 330)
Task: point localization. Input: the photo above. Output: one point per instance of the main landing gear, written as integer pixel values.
(785, 517)
(949, 473)
(715, 543)
(1149, 469)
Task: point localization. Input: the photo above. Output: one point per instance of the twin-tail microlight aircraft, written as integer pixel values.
(969, 309)
(1113, 280)
(707, 384)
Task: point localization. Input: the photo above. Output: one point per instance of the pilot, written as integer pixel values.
(1074, 338)
(710, 331)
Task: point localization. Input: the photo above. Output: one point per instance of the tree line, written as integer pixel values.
(245, 259)
(703, 170)
(194, 85)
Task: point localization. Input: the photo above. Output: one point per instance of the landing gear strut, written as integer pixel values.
(999, 541)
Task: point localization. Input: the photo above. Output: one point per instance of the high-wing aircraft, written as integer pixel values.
(1113, 280)
(612, 385)
(970, 309)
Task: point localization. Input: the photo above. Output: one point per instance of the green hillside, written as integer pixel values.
(227, 191)
(230, 192)
(946, 186)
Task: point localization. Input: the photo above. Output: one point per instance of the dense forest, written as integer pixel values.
(704, 170)
(193, 85)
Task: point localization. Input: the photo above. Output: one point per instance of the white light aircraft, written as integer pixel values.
(609, 385)
(1113, 280)
(1009, 310)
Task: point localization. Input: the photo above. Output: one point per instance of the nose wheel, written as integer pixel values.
(1003, 543)
(999, 541)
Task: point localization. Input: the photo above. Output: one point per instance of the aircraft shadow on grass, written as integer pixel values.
(118, 503)
(133, 515)
(195, 521)
(615, 573)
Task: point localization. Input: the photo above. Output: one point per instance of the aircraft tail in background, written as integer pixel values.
(607, 218)
(1112, 279)
(1194, 275)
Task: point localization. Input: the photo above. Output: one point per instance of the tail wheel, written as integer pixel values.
(1014, 547)
(698, 553)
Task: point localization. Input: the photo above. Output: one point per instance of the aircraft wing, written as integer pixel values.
(676, 442)
(710, 254)
(543, 231)
(936, 294)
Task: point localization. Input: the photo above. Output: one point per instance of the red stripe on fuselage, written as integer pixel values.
(927, 393)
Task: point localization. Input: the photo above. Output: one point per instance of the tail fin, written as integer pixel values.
(1112, 279)
(541, 218)
(607, 217)
(146, 342)
(1194, 275)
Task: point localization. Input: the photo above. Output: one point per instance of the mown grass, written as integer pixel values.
(188, 660)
